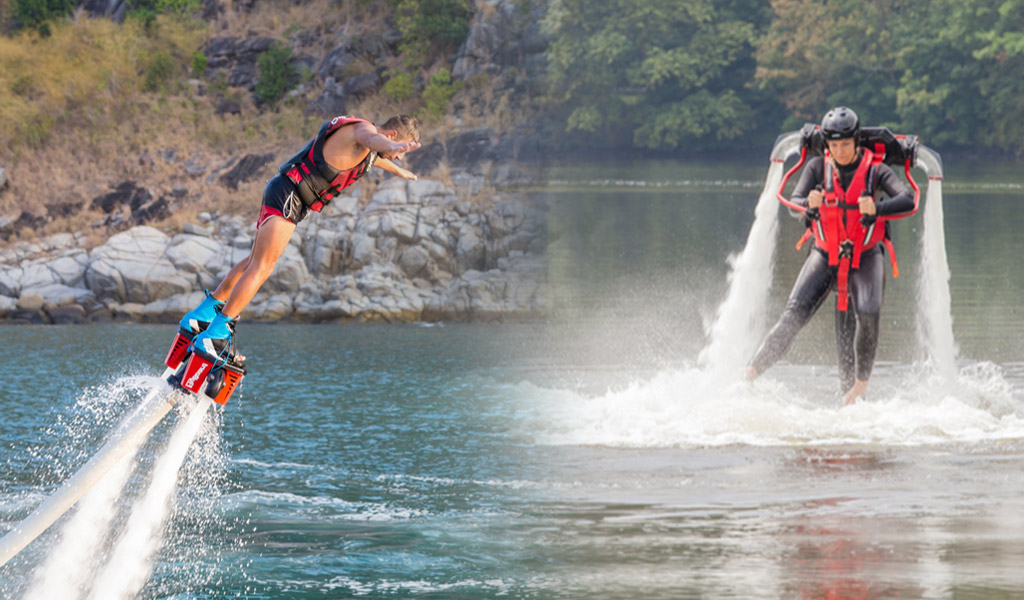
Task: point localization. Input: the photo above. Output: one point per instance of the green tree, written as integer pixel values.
(430, 27)
(37, 14)
(950, 71)
(438, 94)
(658, 74)
(277, 75)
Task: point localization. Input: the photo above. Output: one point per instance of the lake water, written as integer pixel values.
(587, 456)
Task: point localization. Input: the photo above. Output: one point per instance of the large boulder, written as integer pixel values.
(133, 267)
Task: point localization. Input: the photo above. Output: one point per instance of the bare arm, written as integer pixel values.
(391, 167)
(368, 136)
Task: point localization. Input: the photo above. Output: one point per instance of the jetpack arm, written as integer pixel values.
(807, 141)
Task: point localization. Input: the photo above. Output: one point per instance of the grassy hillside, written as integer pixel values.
(96, 103)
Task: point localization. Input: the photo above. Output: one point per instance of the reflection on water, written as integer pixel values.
(681, 485)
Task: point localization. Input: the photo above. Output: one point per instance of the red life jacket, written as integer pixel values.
(839, 232)
(318, 182)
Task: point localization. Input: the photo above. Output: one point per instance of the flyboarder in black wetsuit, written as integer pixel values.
(842, 200)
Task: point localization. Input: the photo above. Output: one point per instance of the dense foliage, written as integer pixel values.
(667, 74)
(37, 14)
(277, 75)
(430, 27)
(658, 74)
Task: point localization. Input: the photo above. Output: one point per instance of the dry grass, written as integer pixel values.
(91, 72)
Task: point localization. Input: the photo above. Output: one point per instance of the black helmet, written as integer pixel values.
(840, 123)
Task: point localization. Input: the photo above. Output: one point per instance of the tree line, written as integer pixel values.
(681, 75)
(675, 75)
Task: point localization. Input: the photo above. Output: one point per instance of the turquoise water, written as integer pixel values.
(355, 460)
(585, 456)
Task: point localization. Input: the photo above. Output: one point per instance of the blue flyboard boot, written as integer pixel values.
(191, 324)
(199, 317)
(217, 341)
(213, 364)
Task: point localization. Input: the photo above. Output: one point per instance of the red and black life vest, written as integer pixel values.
(318, 182)
(838, 230)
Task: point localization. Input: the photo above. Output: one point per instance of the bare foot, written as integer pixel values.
(750, 374)
(857, 391)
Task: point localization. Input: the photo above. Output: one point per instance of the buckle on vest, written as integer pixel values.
(846, 248)
(834, 202)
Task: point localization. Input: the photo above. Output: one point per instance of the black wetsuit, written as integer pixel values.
(857, 328)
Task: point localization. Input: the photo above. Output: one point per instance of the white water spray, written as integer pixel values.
(740, 321)
(935, 321)
(132, 559)
(128, 437)
(68, 567)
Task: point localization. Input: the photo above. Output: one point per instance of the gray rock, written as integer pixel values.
(388, 195)
(69, 271)
(363, 84)
(330, 102)
(68, 314)
(112, 9)
(336, 63)
(191, 253)
(469, 253)
(7, 304)
(37, 274)
(399, 224)
(225, 106)
(414, 261)
(10, 281)
(58, 294)
(364, 250)
(237, 57)
(290, 272)
(196, 230)
(132, 267)
(275, 308)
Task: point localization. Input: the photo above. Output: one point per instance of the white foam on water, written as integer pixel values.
(691, 407)
(131, 561)
(319, 508)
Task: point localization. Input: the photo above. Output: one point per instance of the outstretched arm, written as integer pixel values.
(368, 136)
(391, 167)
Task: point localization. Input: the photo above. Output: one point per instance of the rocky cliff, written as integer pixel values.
(462, 243)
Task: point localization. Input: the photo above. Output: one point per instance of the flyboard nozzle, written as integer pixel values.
(199, 373)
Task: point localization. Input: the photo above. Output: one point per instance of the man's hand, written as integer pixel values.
(867, 205)
(398, 150)
(404, 174)
(814, 198)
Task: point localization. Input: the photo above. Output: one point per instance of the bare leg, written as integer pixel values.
(271, 240)
(223, 291)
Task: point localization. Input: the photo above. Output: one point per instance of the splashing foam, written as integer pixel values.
(691, 407)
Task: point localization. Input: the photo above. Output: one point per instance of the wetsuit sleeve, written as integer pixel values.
(810, 178)
(899, 200)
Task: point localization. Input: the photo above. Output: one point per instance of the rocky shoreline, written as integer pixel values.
(411, 251)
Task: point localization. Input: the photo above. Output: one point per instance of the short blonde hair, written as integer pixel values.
(407, 126)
